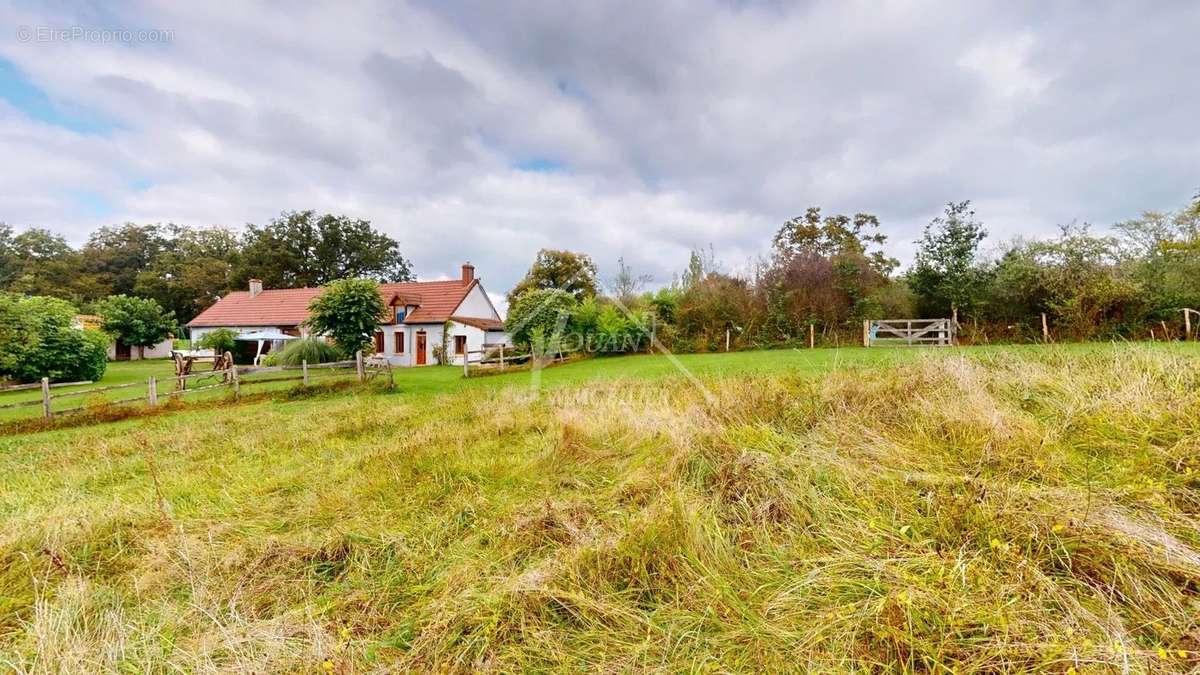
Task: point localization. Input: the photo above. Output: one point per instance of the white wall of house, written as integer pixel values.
(476, 305)
(161, 350)
(476, 338)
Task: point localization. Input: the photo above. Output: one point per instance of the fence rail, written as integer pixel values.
(232, 379)
(500, 358)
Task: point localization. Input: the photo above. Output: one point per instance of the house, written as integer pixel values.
(119, 351)
(418, 312)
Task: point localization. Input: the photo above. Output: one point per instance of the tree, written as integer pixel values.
(118, 254)
(540, 311)
(193, 271)
(627, 285)
(138, 322)
(823, 270)
(38, 339)
(8, 257)
(46, 265)
(710, 307)
(948, 273)
(220, 340)
(572, 272)
(834, 236)
(349, 311)
(302, 249)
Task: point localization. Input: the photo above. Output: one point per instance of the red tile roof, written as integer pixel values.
(482, 324)
(435, 300)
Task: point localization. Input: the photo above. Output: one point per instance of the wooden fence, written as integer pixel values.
(908, 332)
(498, 358)
(232, 379)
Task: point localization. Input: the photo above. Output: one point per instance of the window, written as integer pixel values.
(400, 313)
(399, 341)
(378, 342)
(460, 344)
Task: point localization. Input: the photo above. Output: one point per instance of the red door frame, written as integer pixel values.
(420, 348)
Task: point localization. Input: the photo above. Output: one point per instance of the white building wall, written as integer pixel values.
(476, 305)
(497, 337)
(161, 350)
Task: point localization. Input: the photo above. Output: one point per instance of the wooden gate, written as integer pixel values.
(908, 333)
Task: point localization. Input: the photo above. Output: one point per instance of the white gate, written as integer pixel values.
(908, 333)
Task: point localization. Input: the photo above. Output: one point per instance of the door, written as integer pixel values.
(122, 351)
(420, 348)
(460, 345)
(378, 342)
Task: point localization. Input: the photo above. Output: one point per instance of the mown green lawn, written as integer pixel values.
(434, 380)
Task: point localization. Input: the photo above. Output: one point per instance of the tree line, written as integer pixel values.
(186, 269)
(825, 273)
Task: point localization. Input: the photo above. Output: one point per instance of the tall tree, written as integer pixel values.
(119, 253)
(948, 273)
(824, 269)
(46, 265)
(8, 257)
(626, 284)
(194, 271)
(138, 322)
(572, 272)
(834, 236)
(301, 248)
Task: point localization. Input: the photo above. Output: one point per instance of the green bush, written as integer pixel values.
(220, 341)
(38, 339)
(348, 310)
(540, 312)
(313, 350)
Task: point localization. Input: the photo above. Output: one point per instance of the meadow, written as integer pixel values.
(997, 509)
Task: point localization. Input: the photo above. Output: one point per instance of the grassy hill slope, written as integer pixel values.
(1011, 510)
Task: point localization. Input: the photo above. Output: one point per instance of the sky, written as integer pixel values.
(485, 131)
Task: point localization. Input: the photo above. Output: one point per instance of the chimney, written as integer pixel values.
(255, 287)
(468, 273)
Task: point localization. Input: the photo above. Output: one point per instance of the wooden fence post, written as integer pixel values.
(391, 376)
(501, 356)
(1045, 329)
(1166, 333)
(866, 332)
(46, 398)
(1187, 324)
(467, 362)
(358, 365)
(726, 339)
(812, 337)
(304, 370)
(237, 384)
(152, 391)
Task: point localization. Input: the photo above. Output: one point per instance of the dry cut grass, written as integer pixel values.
(1008, 513)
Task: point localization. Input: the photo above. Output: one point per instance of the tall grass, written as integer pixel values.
(1002, 514)
(295, 352)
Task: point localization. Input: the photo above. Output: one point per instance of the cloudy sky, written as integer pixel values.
(488, 130)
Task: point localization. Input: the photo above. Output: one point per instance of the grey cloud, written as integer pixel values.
(678, 124)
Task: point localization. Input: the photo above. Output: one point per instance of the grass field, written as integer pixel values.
(975, 510)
